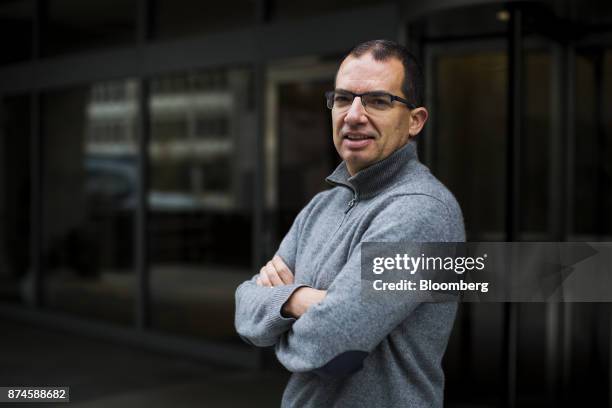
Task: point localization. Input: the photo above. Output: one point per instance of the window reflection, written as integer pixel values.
(307, 154)
(200, 199)
(536, 145)
(593, 145)
(89, 189)
(471, 139)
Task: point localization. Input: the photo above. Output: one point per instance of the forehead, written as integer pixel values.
(365, 74)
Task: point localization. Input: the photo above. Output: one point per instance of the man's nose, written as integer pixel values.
(356, 113)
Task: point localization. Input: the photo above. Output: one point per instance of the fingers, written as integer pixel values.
(275, 273)
(263, 278)
(282, 270)
(268, 276)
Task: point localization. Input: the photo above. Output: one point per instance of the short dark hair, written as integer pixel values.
(382, 50)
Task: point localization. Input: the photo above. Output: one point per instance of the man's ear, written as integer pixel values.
(418, 117)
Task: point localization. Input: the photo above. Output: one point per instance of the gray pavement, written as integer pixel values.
(103, 374)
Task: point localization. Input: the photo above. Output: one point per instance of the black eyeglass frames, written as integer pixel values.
(376, 100)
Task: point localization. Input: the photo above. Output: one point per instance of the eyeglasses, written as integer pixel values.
(372, 101)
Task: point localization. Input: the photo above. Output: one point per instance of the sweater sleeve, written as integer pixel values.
(333, 337)
(258, 319)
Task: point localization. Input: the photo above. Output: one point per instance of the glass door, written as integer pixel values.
(471, 83)
(300, 152)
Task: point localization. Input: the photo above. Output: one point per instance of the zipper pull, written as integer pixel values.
(350, 205)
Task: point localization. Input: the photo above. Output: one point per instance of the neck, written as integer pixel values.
(371, 179)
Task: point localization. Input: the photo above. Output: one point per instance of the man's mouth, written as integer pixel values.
(357, 141)
(357, 136)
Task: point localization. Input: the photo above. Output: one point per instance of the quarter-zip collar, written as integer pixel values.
(377, 177)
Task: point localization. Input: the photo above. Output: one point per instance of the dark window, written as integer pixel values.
(200, 200)
(74, 25)
(179, 18)
(470, 146)
(89, 202)
(593, 144)
(15, 31)
(16, 277)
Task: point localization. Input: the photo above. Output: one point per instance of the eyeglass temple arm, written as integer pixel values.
(404, 101)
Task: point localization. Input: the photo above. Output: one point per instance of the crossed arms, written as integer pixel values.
(331, 332)
(277, 273)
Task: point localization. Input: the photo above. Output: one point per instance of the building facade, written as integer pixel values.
(153, 154)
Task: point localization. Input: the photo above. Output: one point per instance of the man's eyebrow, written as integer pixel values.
(369, 92)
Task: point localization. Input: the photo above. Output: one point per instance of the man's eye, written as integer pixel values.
(379, 102)
(342, 99)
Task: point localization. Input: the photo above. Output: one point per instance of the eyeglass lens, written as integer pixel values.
(372, 101)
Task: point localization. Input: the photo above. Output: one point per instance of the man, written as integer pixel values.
(345, 351)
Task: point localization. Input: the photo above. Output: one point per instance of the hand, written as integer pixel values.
(275, 273)
(301, 300)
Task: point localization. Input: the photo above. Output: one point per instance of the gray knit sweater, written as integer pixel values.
(346, 352)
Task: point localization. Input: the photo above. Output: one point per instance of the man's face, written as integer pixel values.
(364, 138)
